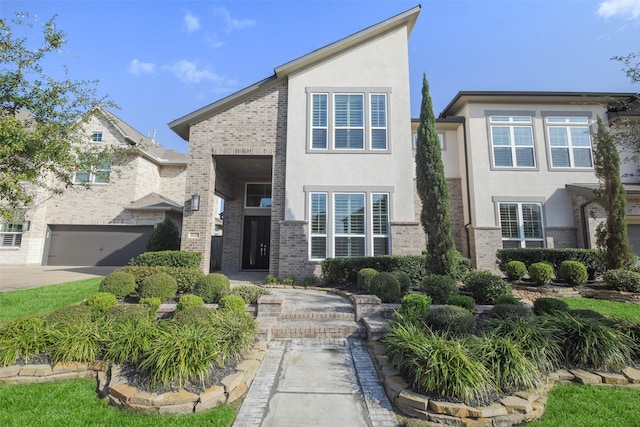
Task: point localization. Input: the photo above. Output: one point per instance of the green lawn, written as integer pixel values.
(611, 308)
(46, 298)
(590, 406)
(74, 403)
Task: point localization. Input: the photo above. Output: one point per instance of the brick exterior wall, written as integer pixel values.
(485, 241)
(407, 238)
(254, 126)
(294, 249)
(560, 237)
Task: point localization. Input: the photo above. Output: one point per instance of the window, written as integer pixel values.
(100, 175)
(440, 140)
(348, 224)
(318, 225)
(258, 196)
(521, 225)
(512, 141)
(569, 142)
(380, 207)
(349, 121)
(10, 234)
(96, 137)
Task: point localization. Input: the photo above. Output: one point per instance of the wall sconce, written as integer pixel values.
(195, 202)
(26, 225)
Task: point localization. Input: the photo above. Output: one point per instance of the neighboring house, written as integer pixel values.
(520, 171)
(109, 222)
(313, 162)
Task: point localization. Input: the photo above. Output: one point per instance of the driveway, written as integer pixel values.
(14, 278)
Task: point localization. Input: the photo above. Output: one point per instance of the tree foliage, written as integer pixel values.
(434, 193)
(612, 235)
(41, 116)
(165, 237)
(627, 124)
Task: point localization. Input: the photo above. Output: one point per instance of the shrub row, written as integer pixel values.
(592, 259)
(186, 277)
(341, 270)
(169, 259)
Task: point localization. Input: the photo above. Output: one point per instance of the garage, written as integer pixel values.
(95, 244)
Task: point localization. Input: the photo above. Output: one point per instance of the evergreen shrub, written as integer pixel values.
(573, 272)
(169, 259)
(165, 236)
(186, 277)
(234, 303)
(439, 287)
(212, 287)
(189, 301)
(507, 299)
(463, 301)
(549, 305)
(622, 280)
(403, 279)
(541, 272)
(158, 285)
(345, 270)
(414, 307)
(250, 293)
(385, 286)
(593, 259)
(151, 303)
(364, 278)
(101, 301)
(453, 320)
(515, 270)
(118, 283)
(485, 287)
(509, 311)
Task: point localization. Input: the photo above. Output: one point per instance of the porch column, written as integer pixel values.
(197, 226)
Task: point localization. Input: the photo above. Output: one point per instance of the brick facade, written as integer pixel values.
(485, 241)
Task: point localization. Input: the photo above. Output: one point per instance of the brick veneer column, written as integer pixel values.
(485, 241)
(197, 226)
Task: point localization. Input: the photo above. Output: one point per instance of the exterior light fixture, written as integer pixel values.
(195, 202)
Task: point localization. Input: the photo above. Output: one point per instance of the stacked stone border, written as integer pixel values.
(113, 386)
(526, 405)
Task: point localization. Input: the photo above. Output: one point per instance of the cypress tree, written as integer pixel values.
(433, 191)
(165, 237)
(612, 236)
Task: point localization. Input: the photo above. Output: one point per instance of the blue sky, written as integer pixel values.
(160, 60)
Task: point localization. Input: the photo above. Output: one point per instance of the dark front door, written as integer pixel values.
(255, 245)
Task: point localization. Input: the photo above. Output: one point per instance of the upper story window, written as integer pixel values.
(512, 142)
(96, 136)
(99, 175)
(353, 120)
(569, 142)
(258, 196)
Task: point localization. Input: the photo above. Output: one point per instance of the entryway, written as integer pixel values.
(255, 244)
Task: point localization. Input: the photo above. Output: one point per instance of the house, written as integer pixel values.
(312, 162)
(109, 220)
(520, 170)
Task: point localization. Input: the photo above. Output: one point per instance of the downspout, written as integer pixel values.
(462, 120)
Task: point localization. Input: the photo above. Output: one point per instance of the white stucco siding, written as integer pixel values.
(542, 184)
(379, 64)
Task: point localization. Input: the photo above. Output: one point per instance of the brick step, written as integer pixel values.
(318, 328)
(324, 314)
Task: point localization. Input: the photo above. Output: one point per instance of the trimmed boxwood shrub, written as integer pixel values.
(195, 315)
(509, 311)
(158, 285)
(385, 286)
(341, 270)
(453, 320)
(189, 301)
(439, 287)
(233, 303)
(169, 259)
(364, 278)
(485, 287)
(549, 305)
(101, 301)
(622, 280)
(573, 272)
(507, 299)
(593, 259)
(463, 301)
(515, 270)
(414, 307)
(118, 283)
(403, 279)
(541, 272)
(186, 277)
(70, 315)
(151, 303)
(212, 287)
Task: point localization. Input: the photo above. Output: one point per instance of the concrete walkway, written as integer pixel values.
(15, 278)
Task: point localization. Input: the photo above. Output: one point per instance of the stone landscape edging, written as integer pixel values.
(113, 386)
(526, 405)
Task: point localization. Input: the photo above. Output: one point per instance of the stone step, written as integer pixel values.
(317, 328)
(318, 314)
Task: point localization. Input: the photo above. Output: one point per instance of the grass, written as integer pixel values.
(46, 298)
(74, 403)
(587, 406)
(611, 308)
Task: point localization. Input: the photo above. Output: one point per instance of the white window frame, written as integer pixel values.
(568, 123)
(337, 235)
(10, 234)
(521, 238)
(387, 225)
(512, 122)
(318, 125)
(316, 235)
(379, 127)
(101, 176)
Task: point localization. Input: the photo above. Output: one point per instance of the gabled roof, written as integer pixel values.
(578, 98)
(154, 202)
(147, 146)
(181, 126)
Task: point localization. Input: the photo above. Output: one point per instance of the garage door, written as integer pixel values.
(634, 237)
(96, 245)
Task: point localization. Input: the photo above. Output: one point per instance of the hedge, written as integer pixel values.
(185, 276)
(593, 259)
(341, 270)
(169, 259)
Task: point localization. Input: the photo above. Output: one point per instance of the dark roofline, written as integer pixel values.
(449, 109)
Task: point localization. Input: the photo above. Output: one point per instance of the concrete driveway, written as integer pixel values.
(14, 278)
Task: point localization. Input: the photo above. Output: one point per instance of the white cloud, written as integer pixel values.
(192, 22)
(231, 23)
(137, 67)
(629, 9)
(188, 72)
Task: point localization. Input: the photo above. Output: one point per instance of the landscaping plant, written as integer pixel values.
(364, 278)
(189, 301)
(385, 286)
(119, 283)
(573, 272)
(463, 301)
(541, 272)
(414, 307)
(485, 287)
(212, 287)
(451, 320)
(250, 293)
(515, 270)
(159, 285)
(439, 287)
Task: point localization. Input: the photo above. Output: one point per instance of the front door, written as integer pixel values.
(255, 245)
